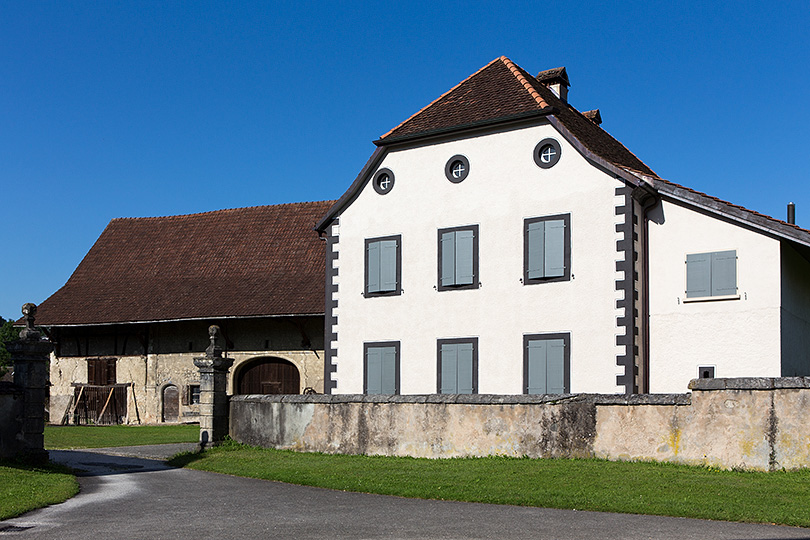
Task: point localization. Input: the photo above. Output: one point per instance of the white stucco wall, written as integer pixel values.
(740, 337)
(795, 315)
(504, 187)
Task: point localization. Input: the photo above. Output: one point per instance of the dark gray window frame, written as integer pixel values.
(475, 283)
(439, 343)
(566, 249)
(398, 290)
(366, 347)
(566, 337)
(542, 144)
(375, 181)
(448, 168)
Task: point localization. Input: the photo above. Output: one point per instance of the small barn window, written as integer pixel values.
(194, 394)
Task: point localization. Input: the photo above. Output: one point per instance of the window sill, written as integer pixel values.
(711, 298)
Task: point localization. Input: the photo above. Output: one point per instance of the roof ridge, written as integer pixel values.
(438, 98)
(524, 82)
(221, 210)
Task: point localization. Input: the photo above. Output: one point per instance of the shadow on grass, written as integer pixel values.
(24, 465)
(185, 458)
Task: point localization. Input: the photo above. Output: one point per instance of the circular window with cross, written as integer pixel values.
(457, 168)
(383, 181)
(547, 153)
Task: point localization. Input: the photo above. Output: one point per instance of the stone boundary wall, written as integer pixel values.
(747, 423)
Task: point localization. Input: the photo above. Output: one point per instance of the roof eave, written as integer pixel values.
(740, 215)
(351, 194)
(464, 128)
(183, 319)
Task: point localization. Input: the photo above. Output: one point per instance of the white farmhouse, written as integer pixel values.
(499, 241)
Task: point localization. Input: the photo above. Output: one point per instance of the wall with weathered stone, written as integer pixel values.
(754, 423)
(149, 374)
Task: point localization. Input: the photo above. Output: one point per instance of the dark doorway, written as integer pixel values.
(269, 376)
(171, 403)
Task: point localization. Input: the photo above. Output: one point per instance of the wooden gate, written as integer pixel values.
(99, 404)
(269, 376)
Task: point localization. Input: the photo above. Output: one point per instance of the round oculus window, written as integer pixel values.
(383, 181)
(547, 153)
(457, 168)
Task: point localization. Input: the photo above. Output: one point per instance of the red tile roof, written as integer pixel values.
(496, 91)
(245, 262)
(502, 91)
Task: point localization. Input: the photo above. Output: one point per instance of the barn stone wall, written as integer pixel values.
(752, 423)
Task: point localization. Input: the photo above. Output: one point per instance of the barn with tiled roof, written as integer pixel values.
(135, 312)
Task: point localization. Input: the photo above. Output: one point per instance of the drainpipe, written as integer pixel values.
(646, 198)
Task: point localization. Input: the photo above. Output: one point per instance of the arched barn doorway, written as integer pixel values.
(171, 404)
(268, 376)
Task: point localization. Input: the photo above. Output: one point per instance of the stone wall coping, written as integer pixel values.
(750, 383)
(472, 399)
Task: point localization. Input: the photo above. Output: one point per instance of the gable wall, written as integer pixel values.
(504, 187)
(739, 337)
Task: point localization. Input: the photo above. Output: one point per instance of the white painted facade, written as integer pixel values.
(503, 188)
(739, 337)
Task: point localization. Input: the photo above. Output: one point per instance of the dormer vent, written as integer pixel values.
(555, 80)
(593, 116)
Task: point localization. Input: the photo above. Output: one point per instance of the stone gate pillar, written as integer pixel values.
(30, 356)
(213, 392)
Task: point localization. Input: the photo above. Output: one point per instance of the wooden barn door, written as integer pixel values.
(171, 404)
(269, 376)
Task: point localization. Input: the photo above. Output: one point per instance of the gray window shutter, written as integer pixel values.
(388, 265)
(449, 368)
(555, 366)
(464, 257)
(555, 248)
(535, 266)
(537, 367)
(374, 370)
(389, 367)
(724, 273)
(465, 368)
(373, 267)
(448, 259)
(698, 275)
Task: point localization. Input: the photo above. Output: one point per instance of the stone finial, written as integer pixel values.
(29, 312)
(213, 349)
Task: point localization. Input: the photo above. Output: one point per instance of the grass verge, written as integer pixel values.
(24, 488)
(582, 484)
(61, 437)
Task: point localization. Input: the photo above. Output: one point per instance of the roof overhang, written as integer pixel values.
(211, 318)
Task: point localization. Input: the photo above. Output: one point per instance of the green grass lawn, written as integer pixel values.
(24, 488)
(583, 484)
(60, 437)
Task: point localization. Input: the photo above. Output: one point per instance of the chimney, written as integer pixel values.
(555, 80)
(791, 213)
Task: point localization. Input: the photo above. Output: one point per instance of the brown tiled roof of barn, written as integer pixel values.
(244, 262)
(501, 91)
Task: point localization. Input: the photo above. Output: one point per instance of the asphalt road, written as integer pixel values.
(129, 497)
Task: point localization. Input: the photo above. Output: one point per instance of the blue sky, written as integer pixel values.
(127, 109)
